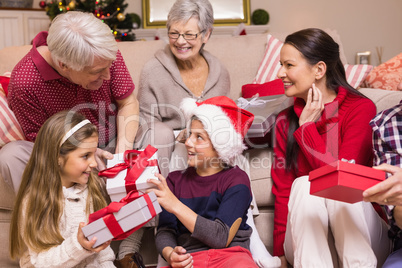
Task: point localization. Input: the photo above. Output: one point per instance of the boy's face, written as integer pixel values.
(201, 153)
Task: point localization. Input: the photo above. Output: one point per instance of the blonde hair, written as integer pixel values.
(40, 196)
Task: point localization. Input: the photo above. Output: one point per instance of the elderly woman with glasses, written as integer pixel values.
(183, 69)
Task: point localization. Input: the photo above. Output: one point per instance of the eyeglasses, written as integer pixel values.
(186, 36)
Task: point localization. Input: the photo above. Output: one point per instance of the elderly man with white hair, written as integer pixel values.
(75, 66)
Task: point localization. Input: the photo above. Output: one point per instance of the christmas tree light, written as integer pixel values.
(110, 12)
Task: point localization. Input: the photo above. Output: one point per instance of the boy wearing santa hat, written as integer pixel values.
(203, 222)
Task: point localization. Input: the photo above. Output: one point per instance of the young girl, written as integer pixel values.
(203, 223)
(329, 121)
(57, 193)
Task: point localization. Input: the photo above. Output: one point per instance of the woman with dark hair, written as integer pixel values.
(329, 121)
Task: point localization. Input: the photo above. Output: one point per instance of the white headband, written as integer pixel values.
(74, 129)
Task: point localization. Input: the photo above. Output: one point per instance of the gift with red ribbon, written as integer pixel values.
(120, 219)
(129, 171)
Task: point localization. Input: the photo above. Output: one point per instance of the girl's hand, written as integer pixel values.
(85, 243)
(165, 197)
(314, 106)
(179, 258)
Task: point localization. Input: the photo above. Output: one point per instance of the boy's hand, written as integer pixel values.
(179, 258)
(85, 243)
(165, 197)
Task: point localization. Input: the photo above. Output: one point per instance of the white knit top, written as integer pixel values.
(69, 253)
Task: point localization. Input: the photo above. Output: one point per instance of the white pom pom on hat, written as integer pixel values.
(225, 123)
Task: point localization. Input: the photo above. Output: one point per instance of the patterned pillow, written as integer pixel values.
(387, 75)
(10, 129)
(355, 74)
(4, 81)
(269, 67)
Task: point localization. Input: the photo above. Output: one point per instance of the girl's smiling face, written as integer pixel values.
(201, 153)
(296, 73)
(76, 166)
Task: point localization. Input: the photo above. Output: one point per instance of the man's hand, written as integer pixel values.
(182, 137)
(100, 158)
(389, 191)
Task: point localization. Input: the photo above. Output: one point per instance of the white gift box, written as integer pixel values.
(129, 216)
(116, 187)
(265, 110)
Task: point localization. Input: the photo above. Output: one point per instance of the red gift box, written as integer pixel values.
(344, 181)
(274, 87)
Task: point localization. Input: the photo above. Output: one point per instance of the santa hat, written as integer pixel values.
(225, 123)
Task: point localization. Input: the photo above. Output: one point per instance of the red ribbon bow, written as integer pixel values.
(135, 162)
(112, 224)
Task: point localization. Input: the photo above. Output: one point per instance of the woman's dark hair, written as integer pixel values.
(315, 45)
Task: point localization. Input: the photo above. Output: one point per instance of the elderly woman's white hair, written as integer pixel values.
(76, 38)
(184, 10)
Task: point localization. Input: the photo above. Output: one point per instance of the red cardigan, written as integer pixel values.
(343, 131)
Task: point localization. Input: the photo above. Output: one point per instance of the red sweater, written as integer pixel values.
(343, 131)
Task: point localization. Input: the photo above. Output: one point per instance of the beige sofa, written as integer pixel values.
(241, 55)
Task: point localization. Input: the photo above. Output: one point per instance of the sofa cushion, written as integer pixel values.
(10, 56)
(260, 161)
(269, 65)
(386, 75)
(355, 74)
(10, 129)
(136, 54)
(240, 55)
(4, 81)
(383, 99)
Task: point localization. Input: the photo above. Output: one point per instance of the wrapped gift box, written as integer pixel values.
(274, 87)
(265, 110)
(344, 181)
(118, 186)
(129, 216)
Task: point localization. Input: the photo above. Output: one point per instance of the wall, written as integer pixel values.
(362, 24)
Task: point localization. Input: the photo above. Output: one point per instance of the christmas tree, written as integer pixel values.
(110, 12)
